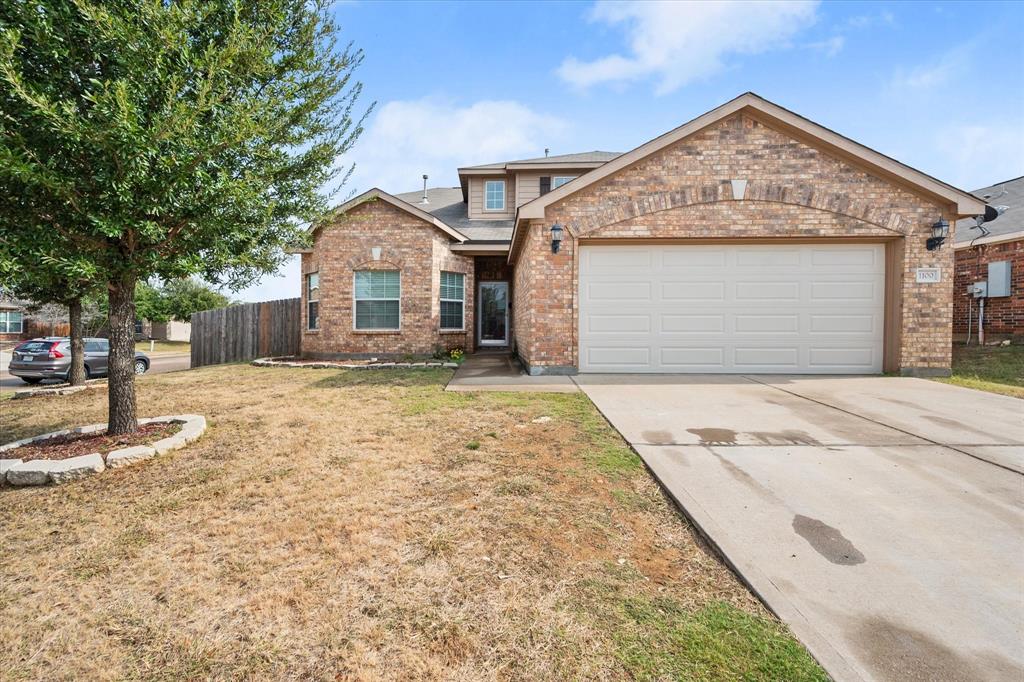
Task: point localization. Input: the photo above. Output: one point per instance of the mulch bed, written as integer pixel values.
(75, 444)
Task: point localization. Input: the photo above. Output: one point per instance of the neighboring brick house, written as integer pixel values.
(12, 319)
(1001, 239)
(747, 240)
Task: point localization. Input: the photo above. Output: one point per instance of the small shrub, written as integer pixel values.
(457, 354)
(473, 445)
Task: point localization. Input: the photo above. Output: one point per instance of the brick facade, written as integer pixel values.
(684, 192)
(1004, 316)
(408, 244)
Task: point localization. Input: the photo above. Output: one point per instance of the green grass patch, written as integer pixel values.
(607, 451)
(659, 639)
(996, 369)
(473, 445)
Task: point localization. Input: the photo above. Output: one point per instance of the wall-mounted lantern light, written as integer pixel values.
(940, 230)
(556, 237)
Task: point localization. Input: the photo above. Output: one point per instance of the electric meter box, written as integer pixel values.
(999, 279)
(977, 290)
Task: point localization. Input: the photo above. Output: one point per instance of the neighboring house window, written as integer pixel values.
(453, 297)
(10, 322)
(377, 294)
(494, 195)
(559, 180)
(313, 300)
(138, 326)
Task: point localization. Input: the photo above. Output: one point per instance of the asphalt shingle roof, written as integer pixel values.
(446, 204)
(1009, 193)
(582, 157)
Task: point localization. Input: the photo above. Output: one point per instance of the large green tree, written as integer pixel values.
(164, 138)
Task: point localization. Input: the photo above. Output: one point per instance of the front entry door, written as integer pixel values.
(493, 313)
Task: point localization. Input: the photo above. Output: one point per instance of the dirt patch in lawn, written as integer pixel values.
(338, 525)
(75, 444)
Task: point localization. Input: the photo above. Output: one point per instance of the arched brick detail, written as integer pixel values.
(387, 257)
(798, 195)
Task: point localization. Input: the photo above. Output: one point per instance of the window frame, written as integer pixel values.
(504, 191)
(356, 299)
(442, 299)
(566, 179)
(6, 322)
(310, 300)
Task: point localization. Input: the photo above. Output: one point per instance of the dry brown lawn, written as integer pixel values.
(366, 525)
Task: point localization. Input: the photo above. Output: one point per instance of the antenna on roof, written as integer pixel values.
(425, 200)
(546, 150)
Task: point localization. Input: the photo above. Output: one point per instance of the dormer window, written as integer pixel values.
(494, 195)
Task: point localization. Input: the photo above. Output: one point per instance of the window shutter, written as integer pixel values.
(545, 185)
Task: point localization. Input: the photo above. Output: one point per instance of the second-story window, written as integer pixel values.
(494, 195)
(560, 180)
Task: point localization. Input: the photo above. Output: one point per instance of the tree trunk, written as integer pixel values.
(76, 373)
(121, 363)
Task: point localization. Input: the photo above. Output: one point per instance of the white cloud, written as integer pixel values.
(679, 42)
(406, 139)
(949, 66)
(982, 154)
(831, 47)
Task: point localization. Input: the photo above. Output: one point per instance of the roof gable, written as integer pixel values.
(786, 121)
(376, 193)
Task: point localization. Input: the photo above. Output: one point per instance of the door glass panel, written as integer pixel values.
(494, 312)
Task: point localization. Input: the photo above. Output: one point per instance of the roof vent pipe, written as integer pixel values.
(425, 200)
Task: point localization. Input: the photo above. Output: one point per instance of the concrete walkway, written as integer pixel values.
(881, 518)
(502, 372)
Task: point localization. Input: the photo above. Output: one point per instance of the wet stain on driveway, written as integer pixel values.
(827, 541)
(715, 436)
(658, 437)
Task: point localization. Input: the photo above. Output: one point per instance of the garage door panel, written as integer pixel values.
(693, 291)
(692, 257)
(619, 356)
(773, 257)
(737, 308)
(828, 323)
(844, 291)
(619, 291)
(848, 257)
(618, 324)
(707, 359)
(767, 290)
(692, 324)
(766, 323)
(861, 359)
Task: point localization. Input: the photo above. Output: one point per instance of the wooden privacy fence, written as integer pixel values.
(246, 332)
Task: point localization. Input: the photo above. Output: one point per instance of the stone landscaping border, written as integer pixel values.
(57, 389)
(42, 471)
(431, 364)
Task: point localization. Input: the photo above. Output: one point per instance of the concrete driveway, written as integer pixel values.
(881, 518)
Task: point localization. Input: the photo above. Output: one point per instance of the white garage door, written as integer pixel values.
(801, 309)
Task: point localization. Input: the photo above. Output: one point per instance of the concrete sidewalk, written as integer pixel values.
(502, 372)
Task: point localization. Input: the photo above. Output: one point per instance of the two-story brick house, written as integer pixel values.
(746, 240)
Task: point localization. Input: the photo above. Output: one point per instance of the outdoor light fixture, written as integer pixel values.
(556, 237)
(940, 230)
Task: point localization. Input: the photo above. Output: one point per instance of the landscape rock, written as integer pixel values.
(126, 456)
(33, 472)
(74, 468)
(6, 464)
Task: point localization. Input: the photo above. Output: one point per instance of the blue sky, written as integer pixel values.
(938, 86)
